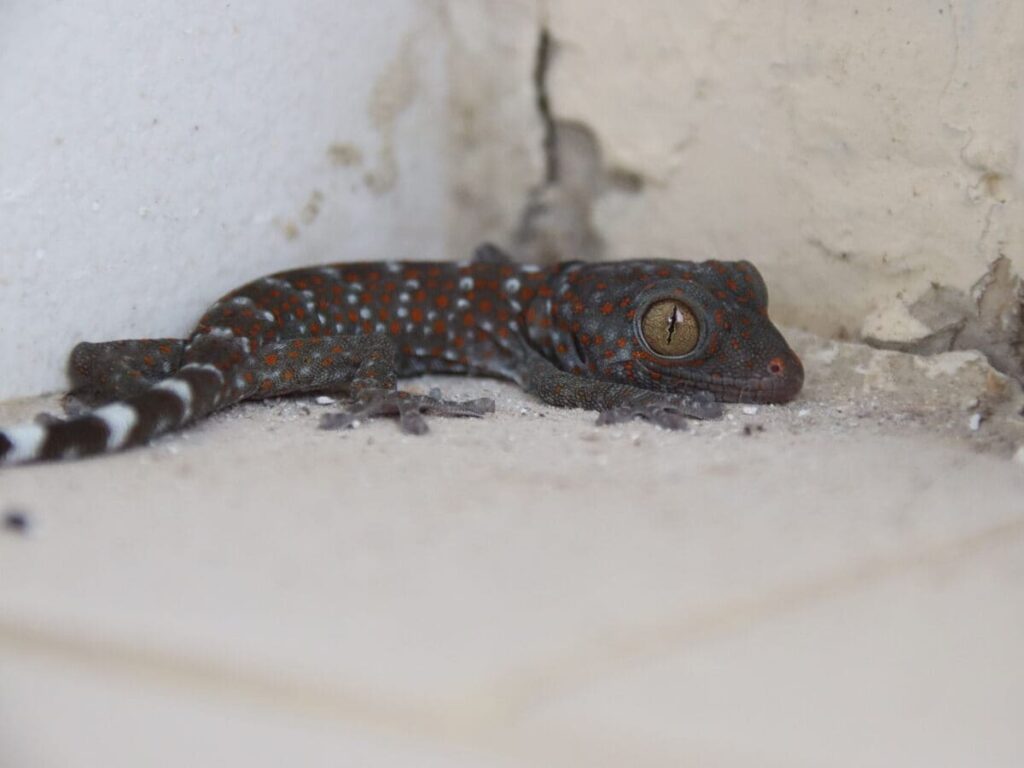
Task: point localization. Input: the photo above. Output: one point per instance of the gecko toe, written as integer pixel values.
(666, 411)
(409, 408)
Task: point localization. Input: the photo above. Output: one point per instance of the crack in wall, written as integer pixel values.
(556, 222)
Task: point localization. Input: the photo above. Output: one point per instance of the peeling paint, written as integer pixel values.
(988, 318)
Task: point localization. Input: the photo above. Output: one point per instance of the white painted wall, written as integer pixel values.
(154, 155)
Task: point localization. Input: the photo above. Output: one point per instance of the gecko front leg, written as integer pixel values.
(617, 402)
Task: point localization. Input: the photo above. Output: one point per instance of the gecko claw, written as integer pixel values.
(666, 411)
(408, 407)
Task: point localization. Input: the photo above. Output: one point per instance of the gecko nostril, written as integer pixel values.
(776, 367)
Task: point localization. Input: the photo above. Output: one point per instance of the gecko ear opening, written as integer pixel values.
(670, 328)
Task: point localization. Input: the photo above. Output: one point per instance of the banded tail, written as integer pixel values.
(195, 391)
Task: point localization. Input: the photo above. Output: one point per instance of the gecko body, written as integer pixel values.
(659, 339)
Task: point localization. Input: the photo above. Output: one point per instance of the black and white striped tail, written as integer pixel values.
(193, 392)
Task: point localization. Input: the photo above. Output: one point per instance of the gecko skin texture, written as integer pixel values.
(658, 339)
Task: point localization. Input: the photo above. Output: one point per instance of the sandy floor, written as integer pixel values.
(838, 582)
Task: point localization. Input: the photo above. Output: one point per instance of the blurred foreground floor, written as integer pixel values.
(835, 582)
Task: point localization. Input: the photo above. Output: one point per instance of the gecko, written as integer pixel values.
(663, 340)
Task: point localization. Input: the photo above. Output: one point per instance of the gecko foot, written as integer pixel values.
(665, 410)
(409, 409)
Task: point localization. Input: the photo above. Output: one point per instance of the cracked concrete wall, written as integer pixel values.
(856, 152)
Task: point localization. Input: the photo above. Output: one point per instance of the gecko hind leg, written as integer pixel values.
(116, 370)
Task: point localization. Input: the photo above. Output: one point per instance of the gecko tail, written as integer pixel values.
(195, 391)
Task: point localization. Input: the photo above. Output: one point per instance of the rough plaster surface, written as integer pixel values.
(855, 152)
(155, 156)
(839, 581)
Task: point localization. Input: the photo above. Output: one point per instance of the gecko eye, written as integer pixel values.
(670, 328)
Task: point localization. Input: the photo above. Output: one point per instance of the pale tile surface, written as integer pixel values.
(523, 590)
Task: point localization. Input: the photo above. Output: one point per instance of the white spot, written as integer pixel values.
(516, 306)
(268, 316)
(512, 285)
(462, 303)
(381, 328)
(974, 423)
(245, 344)
(393, 266)
(325, 400)
(466, 283)
(351, 298)
(432, 315)
(222, 332)
(365, 313)
(487, 325)
(308, 294)
(412, 285)
(120, 420)
(204, 367)
(183, 392)
(241, 300)
(401, 311)
(355, 286)
(403, 297)
(750, 410)
(26, 440)
(321, 318)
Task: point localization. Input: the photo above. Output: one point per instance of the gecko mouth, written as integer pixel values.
(784, 380)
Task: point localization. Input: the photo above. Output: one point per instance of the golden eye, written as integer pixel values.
(670, 328)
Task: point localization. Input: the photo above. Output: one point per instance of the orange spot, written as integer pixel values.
(416, 315)
(441, 301)
(607, 308)
(288, 375)
(467, 319)
(439, 326)
(395, 327)
(270, 359)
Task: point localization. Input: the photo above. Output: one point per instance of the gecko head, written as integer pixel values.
(678, 326)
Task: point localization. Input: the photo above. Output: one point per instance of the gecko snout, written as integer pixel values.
(785, 377)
